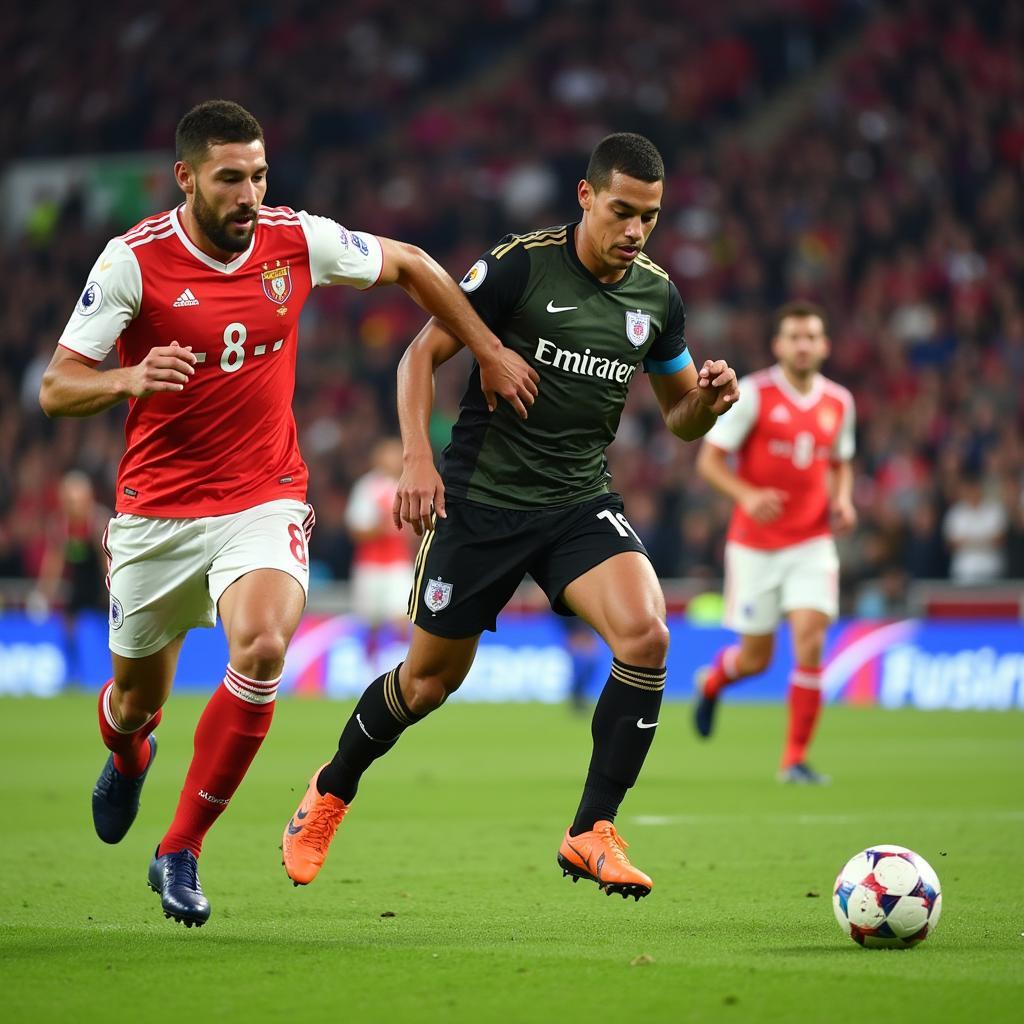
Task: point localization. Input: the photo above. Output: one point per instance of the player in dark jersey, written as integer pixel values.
(584, 305)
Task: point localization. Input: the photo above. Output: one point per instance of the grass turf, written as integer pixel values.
(455, 834)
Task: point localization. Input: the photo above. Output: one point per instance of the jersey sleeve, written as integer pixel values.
(731, 430)
(108, 303)
(845, 445)
(340, 256)
(496, 282)
(668, 353)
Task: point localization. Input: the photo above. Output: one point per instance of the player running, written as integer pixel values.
(203, 303)
(587, 308)
(793, 436)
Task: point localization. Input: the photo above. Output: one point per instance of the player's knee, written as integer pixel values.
(645, 643)
(427, 692)
(753, 663)
(259, 655)
(809, 649)
(135, 708)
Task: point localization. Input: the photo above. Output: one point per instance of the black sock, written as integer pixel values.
(380, 717)
(623, 728)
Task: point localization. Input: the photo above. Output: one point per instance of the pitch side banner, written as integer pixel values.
(929, 665)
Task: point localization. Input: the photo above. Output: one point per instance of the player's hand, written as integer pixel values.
(764, 504)
(509, 376)
(165, 368)
(843, 515)
(716, 386)
(420, 490)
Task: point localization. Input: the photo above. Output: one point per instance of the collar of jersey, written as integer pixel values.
(574, 256)
(801, 401)
(225, 268)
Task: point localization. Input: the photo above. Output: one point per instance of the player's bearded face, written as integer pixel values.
(801, 345)
(228, 229)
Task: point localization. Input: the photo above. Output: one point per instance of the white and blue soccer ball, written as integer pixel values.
(887, 897)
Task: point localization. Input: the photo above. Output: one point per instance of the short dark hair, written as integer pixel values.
(213, 123)
(629, 154)
(798, 308)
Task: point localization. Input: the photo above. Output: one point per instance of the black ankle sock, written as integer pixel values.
(623, 728)
(380, 717)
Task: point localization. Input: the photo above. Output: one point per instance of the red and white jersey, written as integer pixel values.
(227, 441)
(369, 509)
(789, 441)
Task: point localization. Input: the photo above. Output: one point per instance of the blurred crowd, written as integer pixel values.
(867, 155)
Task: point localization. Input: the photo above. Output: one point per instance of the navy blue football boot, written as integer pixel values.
(803, 774)
(175, 876)
(115, 798)
(704, 708)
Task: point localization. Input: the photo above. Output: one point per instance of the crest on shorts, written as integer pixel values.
(277, 282)
(638, 327)
(116, 613)
(438, 595)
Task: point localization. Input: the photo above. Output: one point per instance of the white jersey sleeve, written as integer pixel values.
(108, 303)
(845, 444)
(733, 428)
(340, 256)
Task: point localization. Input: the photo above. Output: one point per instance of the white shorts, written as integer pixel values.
(761, 586)
(166, 575)
(380, 593)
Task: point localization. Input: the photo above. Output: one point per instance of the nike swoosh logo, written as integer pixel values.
(641, 724)
(301, 814)
(293, 829)
(552, 308)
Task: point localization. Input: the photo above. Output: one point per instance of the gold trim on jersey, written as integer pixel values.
(418, 566)
(645, 261)
(548, 236)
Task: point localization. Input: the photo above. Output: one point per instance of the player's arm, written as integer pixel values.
(502, 371)
(691, 401)
(840, 482)
(763, 504)
(73, 386)
(420, 488)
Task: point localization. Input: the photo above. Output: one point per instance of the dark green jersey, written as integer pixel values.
(587, 341)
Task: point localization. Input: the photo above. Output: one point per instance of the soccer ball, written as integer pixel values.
(887, 897)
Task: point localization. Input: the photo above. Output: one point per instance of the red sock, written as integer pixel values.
(804, 707)
(230, 731)
(723, 671)
(130, 749)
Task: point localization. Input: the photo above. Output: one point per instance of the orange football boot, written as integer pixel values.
(600, 855)
(307, 837)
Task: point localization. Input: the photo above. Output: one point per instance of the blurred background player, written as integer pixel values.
(203, 303)
(381, 562)
(793, 438)
(73, 565)
(586, 306)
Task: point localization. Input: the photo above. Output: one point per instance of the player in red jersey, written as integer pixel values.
(793, 438)
(203, 304)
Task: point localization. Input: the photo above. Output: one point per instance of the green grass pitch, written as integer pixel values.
(441, 899)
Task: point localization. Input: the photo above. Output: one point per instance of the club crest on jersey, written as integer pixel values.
(277, 283)
(437, 595)
(827, 419)
(638, 327)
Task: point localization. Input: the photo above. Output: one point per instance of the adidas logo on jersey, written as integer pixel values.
(186, 298)
(780, 414)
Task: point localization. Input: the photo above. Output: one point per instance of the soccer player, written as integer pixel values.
(793, 438)
(203, 303)
(382, 562)
(587, 308)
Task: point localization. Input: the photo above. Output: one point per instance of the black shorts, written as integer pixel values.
(470, 564)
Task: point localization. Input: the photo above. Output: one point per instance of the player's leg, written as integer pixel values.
(156, 578)
(810, 600)
(807, 627)
(622, 600)
(753, 597)
(466, 571)
(750, 657)
(129, 709)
